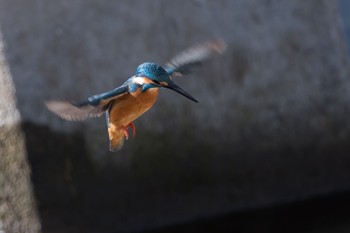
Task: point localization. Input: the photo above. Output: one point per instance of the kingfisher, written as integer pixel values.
(124, 104)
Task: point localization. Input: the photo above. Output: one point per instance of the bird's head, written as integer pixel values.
(158, 77)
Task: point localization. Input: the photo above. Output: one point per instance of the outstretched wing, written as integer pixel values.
(71, 112)
(94, 106)
(193, 56)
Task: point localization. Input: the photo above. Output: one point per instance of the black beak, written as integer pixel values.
(174, 87)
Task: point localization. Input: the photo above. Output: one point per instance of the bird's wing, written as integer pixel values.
(94, 106)
(193, 56)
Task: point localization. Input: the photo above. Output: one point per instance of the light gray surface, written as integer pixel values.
(17, 206)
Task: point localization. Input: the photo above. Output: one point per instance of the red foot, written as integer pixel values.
(133, 128)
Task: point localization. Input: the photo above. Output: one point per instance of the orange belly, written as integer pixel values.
(128, 108)
(125, 110)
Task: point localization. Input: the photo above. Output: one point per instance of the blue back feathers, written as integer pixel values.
(152, 71)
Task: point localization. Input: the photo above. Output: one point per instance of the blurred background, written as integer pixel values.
(267, 149)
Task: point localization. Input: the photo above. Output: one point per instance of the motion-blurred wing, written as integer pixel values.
(193, 56)
(94, 106)
(71, 112)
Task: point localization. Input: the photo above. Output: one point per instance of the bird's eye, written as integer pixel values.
(156, 81)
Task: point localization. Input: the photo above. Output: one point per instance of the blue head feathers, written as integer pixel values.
(153, 71)
(160, 77)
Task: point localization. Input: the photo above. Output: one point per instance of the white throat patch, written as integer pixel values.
(139, 80)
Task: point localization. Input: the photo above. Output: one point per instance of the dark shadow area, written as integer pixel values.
(74, 196)
(320, 214)
(61, 175)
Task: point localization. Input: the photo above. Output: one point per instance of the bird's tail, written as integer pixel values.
(116, 138)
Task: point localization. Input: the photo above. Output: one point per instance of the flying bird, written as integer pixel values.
(124, 104)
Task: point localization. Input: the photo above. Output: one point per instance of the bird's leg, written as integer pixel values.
(126, 133)
(133, 128)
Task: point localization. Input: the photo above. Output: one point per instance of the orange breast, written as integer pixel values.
(129, 107)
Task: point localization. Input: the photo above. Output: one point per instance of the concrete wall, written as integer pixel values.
(17, 205)
(272, 123)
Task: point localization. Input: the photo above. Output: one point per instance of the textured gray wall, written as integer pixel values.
(272, 123)
(17, 206)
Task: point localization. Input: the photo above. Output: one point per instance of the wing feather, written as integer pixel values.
(193, 56)
(70, 112)
(94, 106)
